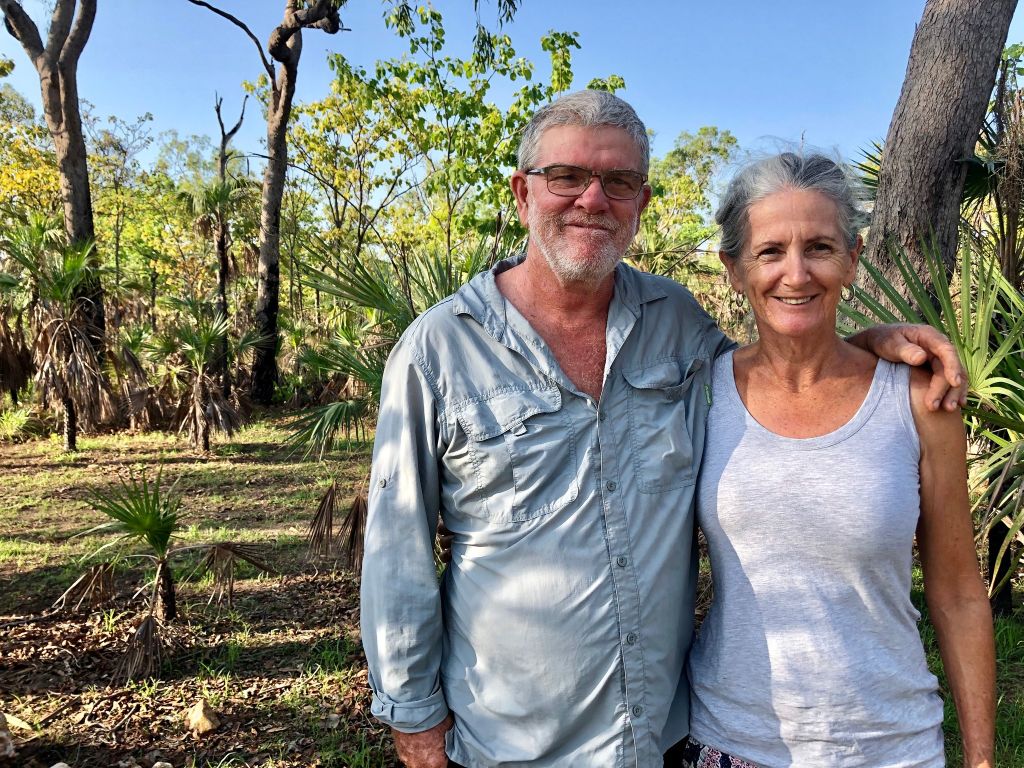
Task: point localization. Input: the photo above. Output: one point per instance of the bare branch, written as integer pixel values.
(22, 28)
(79, 36)
(267, 65)
(226, 136)
(60, 25)
(323, 15)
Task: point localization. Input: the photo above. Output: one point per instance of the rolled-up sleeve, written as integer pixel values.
(400, 603)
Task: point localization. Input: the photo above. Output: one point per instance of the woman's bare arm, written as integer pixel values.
(954, 592)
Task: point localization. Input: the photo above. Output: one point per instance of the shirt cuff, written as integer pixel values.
(409, 716)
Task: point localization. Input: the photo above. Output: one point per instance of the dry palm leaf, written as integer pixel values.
(221, 559)
(352, 530)
(15, 359)
(94, 587)
(142, 657)
(319, 538)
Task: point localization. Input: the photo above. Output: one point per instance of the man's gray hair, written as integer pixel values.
(788, 170)
(584, 108)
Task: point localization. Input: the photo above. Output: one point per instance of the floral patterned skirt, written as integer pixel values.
(697, 755)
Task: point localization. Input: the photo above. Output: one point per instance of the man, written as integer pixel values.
(553, 412)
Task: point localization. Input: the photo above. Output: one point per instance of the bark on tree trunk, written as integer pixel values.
(223, 364)
(166, 608)
(70, 425)
(950, 75)
(57, 66)
(264, 367)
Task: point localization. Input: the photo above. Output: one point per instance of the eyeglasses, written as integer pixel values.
(572, 181)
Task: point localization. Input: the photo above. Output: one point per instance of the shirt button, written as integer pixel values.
(602, 416)
(637, 710)
(622, 561)
(383, 482)
(611, 485)
(631, 638)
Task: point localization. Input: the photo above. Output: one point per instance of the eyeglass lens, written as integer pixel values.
(569, 180)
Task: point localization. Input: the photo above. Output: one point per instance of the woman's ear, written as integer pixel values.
(733, 268)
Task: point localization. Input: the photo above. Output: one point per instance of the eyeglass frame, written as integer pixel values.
(543, 171)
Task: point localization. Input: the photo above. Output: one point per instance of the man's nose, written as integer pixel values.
(593, 199)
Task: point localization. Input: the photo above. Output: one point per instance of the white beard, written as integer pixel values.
(578, 262)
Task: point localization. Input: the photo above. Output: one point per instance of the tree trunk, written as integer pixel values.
(264, 367)
(285, 47)
(222, 364)
(57, 66)
(70, 425)
(166, 607)
(950, 75)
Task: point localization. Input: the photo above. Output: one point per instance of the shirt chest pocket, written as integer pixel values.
(662, 414)
(522, 450)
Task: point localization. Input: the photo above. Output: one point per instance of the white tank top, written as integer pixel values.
(810, 654)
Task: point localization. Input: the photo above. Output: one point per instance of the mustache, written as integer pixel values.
(577, 219)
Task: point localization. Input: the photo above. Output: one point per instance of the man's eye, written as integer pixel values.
(619, 184)
(565, 176)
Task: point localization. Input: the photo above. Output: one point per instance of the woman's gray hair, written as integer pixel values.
(788, 170)
(584, 108)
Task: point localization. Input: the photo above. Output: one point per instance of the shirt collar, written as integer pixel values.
(481, 299)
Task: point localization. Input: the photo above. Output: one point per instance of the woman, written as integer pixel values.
(821, 464)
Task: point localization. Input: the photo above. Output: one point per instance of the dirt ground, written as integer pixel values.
(282, 669)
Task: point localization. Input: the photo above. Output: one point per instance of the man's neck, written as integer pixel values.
(570, 318)
(535, 290)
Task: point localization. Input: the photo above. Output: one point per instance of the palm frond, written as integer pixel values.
(320, 429)
(222, 559)
(141, 511)
(353, 530)
(142, 658)
(94, 587)
(319, 536)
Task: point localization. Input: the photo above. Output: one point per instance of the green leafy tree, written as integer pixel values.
(676, 224)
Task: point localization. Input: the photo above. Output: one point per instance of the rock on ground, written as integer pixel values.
(202, 718)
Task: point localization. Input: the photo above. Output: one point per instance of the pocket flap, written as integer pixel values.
(484, 419)
(665, 375)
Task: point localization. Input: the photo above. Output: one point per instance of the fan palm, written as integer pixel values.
(203, 407)
(983, 315)
(142, 512)
(382, 298)
(212, 207)
(67, 369)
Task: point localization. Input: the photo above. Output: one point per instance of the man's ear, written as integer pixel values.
(520, 191)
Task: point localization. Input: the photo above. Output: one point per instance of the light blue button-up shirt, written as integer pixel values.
(558, 634)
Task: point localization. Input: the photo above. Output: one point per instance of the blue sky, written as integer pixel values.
(829, 72)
